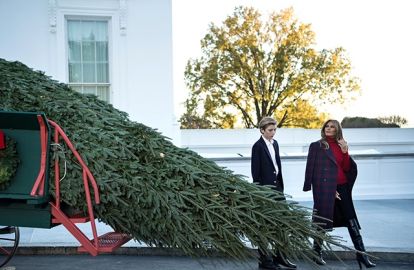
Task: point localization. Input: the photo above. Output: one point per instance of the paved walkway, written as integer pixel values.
(387, 225)
(387, 230)
(124, 262)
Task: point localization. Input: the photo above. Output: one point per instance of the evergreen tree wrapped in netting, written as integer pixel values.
(158, 193)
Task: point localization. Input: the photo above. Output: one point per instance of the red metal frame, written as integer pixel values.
(88, 178)
(38, 187)
(105, 243)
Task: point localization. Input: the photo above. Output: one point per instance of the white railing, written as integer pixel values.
(385, 157)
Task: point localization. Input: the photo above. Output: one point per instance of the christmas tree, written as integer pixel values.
(158, 193)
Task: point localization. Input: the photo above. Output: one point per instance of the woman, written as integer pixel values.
(331, 173)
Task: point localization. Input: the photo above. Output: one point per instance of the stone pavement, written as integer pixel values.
(126, 262)
(387, 230)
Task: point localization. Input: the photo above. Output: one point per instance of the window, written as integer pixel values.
(88, 62)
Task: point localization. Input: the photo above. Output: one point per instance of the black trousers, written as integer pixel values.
(262, 253)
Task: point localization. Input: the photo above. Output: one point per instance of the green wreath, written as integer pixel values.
(9, 160)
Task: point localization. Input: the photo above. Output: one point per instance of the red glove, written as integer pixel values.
(2, 140)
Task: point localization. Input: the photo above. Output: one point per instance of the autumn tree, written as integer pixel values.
(250, 69)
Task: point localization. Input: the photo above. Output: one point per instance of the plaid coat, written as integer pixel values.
(321, 174)
(262, 168)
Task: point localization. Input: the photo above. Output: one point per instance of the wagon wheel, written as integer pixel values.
(9, 240)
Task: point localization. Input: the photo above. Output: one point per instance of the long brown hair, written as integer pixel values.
(338, 135)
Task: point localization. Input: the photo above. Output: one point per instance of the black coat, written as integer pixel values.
(321, 174)
(263, 170)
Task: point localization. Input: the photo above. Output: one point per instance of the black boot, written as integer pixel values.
(317, 247)
(282, 260)
(268, 265)
(265, 262)
(358, 244)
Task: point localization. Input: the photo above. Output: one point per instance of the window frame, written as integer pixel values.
(82, 85)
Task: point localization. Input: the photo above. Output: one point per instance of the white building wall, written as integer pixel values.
(23, 33)
(140, 49)
(385, 157)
